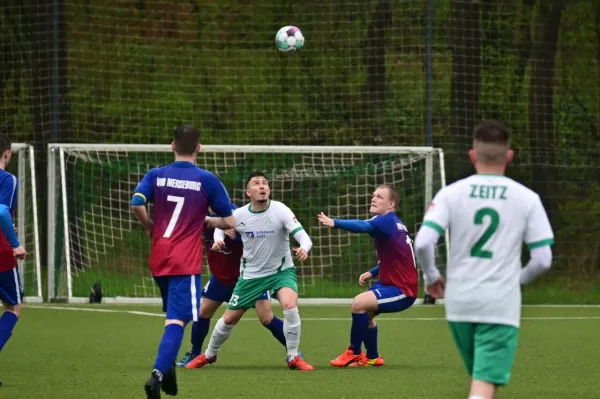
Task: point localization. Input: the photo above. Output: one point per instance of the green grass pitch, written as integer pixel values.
(77, 353)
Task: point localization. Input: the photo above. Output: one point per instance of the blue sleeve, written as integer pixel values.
(218, 199)
(8, 191)
(382, 226)
(6, 224)
(144, 191)
(374, 271)
(355, 225)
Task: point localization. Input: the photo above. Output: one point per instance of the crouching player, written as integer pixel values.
(397, 287)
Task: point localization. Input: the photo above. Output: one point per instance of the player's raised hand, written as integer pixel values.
(301, 254)
(325, 220)
(218, 245)
(230, 233)
(19, 252)
(437, 289)
(364, 277)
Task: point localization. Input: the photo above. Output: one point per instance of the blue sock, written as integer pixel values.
(168, 348)
(199, 332)
(276, 328)
(358, 332)
(7, 323)
(371, 343)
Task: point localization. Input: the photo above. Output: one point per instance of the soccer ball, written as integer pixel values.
(289, 39)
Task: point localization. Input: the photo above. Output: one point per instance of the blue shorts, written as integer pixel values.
(390, 299)
(180, 296)
(11, 289)
(217, 291)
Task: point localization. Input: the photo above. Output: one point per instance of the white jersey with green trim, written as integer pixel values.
(266, 238)
(488, 217)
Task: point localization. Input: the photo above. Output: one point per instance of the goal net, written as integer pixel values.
(25, 220)
(94, 238)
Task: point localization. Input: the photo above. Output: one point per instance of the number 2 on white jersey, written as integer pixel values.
(175, 216)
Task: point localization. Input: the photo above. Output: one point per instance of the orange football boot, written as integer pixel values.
(346, 358)
(366, 362)
(200, 361)
(298, 363)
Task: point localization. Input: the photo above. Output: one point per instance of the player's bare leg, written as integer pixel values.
(288, 298)
(482, 390)
(8, 320)
(269, 320)
(200, 328)
(364, 329)
(220, 334)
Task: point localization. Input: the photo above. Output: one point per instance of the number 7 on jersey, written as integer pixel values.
(175, 216)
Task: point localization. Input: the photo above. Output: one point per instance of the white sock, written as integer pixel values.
(220, 334)
(476, 397)
(291, 331)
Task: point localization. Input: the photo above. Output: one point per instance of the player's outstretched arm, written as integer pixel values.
(353, 225)
(224, 223)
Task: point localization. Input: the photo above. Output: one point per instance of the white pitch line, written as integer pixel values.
(135, 312)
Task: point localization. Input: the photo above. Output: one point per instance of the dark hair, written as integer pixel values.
(255, 174)
(5, 143)
(186, 138)
(491, 132)
(393, 194)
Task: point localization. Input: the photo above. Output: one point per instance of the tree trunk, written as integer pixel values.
(376, 72)
(49, 99)
(523, 48)
(466, 82)
(541, 104)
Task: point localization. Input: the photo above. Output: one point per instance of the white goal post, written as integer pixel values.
(22, 165)
(94, 238)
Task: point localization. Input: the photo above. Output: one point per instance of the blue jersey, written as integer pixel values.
(8, 203)
(395, 253)
(181, 193)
